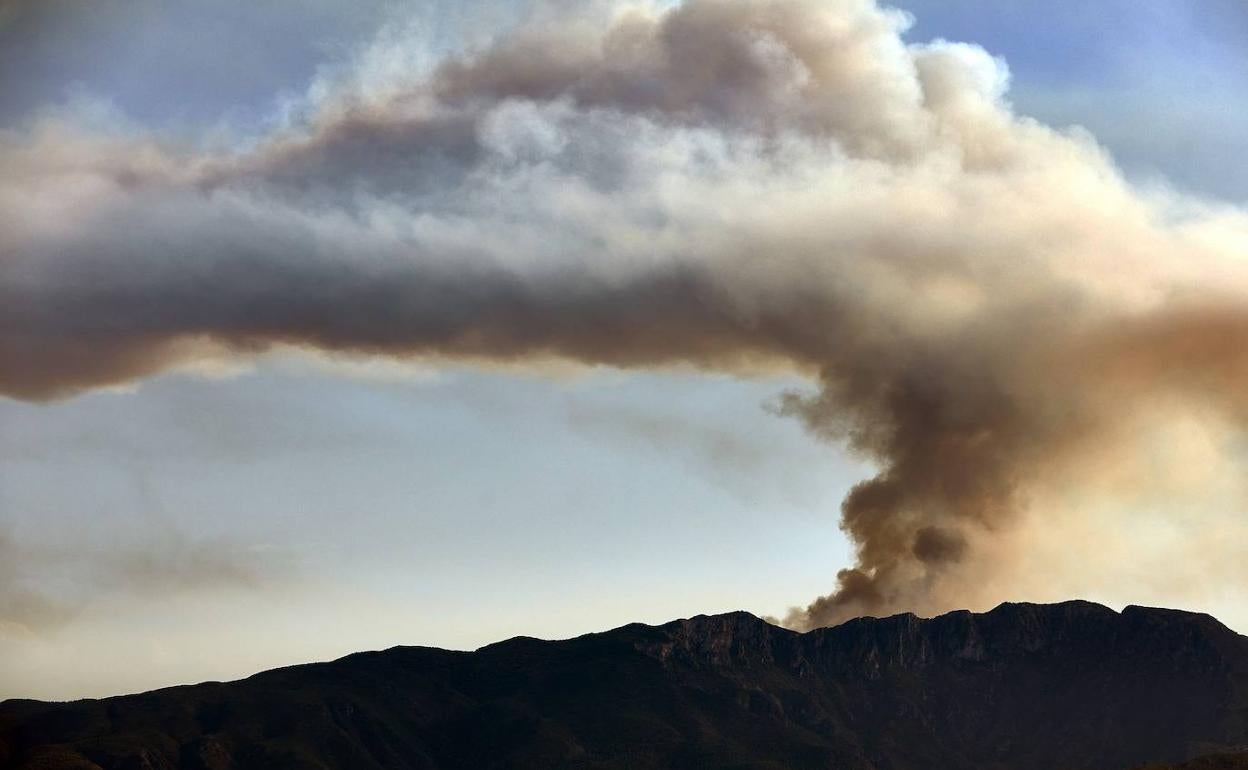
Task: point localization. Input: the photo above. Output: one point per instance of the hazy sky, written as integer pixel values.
(232, 512)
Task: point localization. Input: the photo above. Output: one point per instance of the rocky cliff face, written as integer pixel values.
(1072, 685)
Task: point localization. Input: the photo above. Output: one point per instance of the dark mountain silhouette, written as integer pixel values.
(1044, 687)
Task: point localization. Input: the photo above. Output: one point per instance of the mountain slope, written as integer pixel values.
(1072, 685)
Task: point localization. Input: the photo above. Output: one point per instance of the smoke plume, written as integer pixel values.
(167, 563)
(985, 308)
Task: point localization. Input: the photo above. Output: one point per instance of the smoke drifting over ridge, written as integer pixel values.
(985, 305)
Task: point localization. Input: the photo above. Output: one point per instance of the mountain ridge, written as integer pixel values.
(1073, 685)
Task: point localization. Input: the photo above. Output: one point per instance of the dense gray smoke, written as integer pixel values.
(985, 307)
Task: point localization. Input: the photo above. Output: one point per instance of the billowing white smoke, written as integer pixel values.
(988, 311)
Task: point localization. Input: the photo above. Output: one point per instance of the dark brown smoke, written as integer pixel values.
(984, 307)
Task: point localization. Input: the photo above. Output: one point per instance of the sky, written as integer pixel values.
(281, 383)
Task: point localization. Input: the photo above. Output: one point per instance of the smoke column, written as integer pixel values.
(984, 307)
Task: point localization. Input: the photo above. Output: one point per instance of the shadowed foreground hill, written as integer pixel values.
(1049, 687)
(1234, 761)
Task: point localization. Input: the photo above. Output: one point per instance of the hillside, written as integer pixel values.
(1072, 685)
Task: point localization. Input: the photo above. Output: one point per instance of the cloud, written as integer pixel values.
(982, 303)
